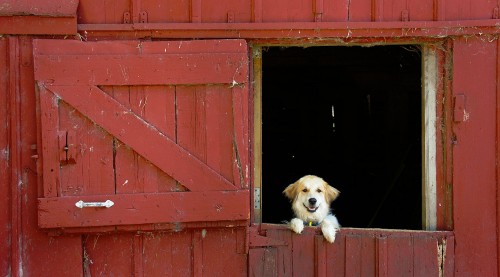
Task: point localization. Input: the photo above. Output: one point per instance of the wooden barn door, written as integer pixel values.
(136, 132)
(277, 251)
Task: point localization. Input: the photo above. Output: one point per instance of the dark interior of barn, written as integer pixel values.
(353, 116)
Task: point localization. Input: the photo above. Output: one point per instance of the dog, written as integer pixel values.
(311, 197)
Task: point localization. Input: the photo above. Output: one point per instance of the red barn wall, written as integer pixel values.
(25, 250)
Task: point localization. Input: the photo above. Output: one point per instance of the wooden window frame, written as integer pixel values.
(436, 202)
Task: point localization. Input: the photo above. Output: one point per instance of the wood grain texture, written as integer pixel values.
(151, 144)
(474, 159)
(357, 252)
(144, 208)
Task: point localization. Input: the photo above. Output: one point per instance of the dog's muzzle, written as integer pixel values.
(312, 205)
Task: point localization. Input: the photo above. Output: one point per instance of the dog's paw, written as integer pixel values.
(329, 231)
(297, 225)
(329, 234)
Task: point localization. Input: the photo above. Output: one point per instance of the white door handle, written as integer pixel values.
(107, 204)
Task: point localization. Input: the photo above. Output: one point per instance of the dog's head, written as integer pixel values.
(311, 197)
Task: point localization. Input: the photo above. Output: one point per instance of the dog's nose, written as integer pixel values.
(312, 201)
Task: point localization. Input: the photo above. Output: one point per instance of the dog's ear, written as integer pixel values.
(291, 191)
(331, 193)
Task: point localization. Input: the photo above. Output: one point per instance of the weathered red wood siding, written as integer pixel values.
(183, 253)
(356, 252)
(474, 156)
(242, 11)
(203, 249)
(25, 250)
(5, 205)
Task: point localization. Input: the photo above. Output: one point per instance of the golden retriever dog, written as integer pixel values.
(311, 197)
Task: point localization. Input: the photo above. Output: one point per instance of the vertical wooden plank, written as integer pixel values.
(303, 255)
(197, 252)
(257, 135)
(360, 255)
(400, 256)
(109, 255)
(381, 270)
(93, 170)
(448, 257)
(320, 257)
(444, 170)
(284, 255)
(195, 11)
(393, 9)
(262, 262)
(257, 11)
(167, 11)
(226, 11)
(138, 255)
(111, 12)
(474, 158)
(156, 105)
(221, 253)
(426, 256)
(14, 138)
(40, 254)
(318, 10)
(368, 256)
(159, 108)
(469, 9)
(377, 10)
(337, 10)
(497, 107)
(49, 123)
(362, 10)
(5, 216)
(126, 161)
(103, 11)
(353, 250)
(429, 164)
(219, 130)
(191, 120)
(167, 254)
(241, 166)
(336, 255)
(439, 10)
(205, 125)
(421, 10)
(290, 11)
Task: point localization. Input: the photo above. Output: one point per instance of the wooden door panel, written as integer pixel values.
(163, 69)
(190, 252)
(162, 125)
(208, 131)
(144, 138)
(355, 252)
(89, 160)
(156, 105)
(143, 208)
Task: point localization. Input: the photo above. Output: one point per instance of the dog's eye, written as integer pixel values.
(319, 190)
(304, 190)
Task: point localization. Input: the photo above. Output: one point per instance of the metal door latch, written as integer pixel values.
(107, 204)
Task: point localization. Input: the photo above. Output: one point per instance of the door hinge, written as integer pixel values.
(256, 198)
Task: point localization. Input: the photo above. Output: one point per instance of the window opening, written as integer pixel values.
(353, 116)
